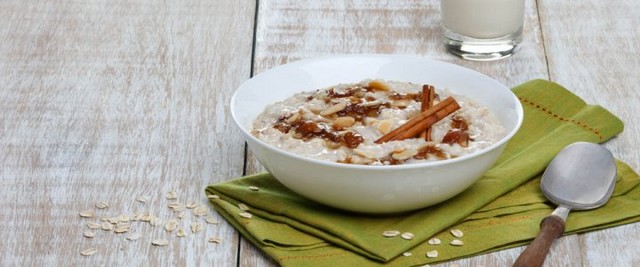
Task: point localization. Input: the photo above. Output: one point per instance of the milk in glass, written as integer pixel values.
(480, 28)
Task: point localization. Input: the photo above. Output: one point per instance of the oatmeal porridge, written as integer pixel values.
(377, 122)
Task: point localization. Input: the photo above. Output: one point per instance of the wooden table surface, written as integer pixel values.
(115, 100)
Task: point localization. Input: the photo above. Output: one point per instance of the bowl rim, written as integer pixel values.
(518, 108)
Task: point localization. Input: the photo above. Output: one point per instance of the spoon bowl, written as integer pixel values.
(582, 176)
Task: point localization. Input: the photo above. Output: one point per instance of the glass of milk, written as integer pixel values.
(482, 29)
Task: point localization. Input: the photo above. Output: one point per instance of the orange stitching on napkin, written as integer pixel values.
(562, 119)
(311, 257)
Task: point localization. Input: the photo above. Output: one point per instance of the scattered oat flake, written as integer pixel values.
(214, 240)
(456, 242)
(201, 210)
(181, 215)
(181, 233)
(142, 199)
(134, 236)
(122, 229)
(432, 254)
(155, 221)
(146, 217)
(245, 215)
(138, 217)
(196, 227)
(160, 242)
(407, 236)
(192, 205)
(113, 220)
(88, 252)
(457, 233)
(243, 207)
(213, 197)
(101, 205)
(211, 220)
(179, 208)
(92, 225)
(107, 226)
(391, 233)
(171, 225)
(172, 195)
(254, 188)
(88, 234)
(124, 218)
(87, 214)
(407, 254)
(434, 241)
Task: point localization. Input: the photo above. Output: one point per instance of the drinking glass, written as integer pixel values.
(482, 29)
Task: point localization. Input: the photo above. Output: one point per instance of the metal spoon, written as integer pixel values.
(582, 176)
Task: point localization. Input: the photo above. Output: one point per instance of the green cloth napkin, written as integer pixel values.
(501, 210)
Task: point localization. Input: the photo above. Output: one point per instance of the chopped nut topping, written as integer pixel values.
(343, 122)
(385, 126)
(334, 109)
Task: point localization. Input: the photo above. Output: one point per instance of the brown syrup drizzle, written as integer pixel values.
(458, 133)
(304, 129)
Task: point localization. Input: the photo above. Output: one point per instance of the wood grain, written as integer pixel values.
(108, 100)
(593, 49)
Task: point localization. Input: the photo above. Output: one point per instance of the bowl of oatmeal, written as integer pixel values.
(376, 133)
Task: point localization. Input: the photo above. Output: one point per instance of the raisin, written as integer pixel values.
(458, 122)
(351, 139)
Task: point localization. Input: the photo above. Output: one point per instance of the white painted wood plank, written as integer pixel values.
(592, 48)
(108, 100)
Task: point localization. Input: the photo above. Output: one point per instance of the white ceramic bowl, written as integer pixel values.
(373, 189)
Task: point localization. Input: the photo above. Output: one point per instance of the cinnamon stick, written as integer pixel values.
(419, 123)
(428, 95)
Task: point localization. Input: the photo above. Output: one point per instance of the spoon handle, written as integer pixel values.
(551, 228)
